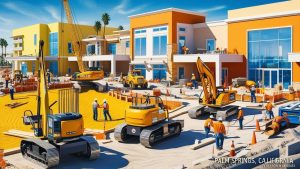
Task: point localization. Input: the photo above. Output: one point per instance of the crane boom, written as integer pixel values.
(76, 44)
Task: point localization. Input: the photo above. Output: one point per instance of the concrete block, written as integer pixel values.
(293, 148)
(203, 143)
(269, 154)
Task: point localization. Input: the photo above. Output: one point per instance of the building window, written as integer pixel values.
(210, 44)
(70, 50)
(90, 50)
(140, 46)
(34, 39)
(53, 44)
(142, 68)
(112, 48)
(157, 29)
(268, 56)
(160, 45)
(181, 73)
(159, 72)
(181, 29)
(139, 31)
(181, 44)
(127, 44)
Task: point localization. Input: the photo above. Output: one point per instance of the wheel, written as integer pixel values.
(177, 130)
(124, 135)
(152, 139)
(88, 151)
(145, 86)
(24, 149)
(132, 85)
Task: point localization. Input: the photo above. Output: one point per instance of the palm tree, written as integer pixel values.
(97, 26)
(5, 44)
(105, 20)
(120, 27)
(2, 45)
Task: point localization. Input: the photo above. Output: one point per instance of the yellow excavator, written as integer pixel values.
(84, 74)
(56, 134)
(148, 120)
(215, 100)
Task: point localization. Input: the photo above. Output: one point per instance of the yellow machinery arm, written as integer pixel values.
(76, 43)
(43, 98)
(208, 82)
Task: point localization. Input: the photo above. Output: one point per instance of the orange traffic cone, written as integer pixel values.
(257, 125)
(253, 138)
(232, 150)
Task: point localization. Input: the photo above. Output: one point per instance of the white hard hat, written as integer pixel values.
(268, 101)
(240, 108)
(95, 99)
(211, 116)
(104, 100)
(220, 119)
(192, 73)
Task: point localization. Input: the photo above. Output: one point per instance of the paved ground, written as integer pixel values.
(172, 153)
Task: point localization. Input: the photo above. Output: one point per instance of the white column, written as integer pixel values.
(113, 66)
(90, 63)
(96, 49)
(218, 73)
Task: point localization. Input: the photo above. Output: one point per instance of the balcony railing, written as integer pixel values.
(18, 41)
(18, 48)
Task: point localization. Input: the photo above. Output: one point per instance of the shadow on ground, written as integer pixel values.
(109, 159)
(186, 138)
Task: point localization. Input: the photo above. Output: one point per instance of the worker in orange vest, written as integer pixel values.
(240, 118)
(105, 107)
(269, 106)
(219, 129)
(7, 78)
(207, 124)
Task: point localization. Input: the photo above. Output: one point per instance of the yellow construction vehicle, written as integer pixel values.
(241, 81)
(149, 121)
(215, 100)
(84, 74)
(134, 79)
(57, 134)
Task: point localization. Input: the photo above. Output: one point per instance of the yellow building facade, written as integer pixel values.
(57, 48)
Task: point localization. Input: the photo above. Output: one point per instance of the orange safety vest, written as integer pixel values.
(240, 114)
(219, 128)
(106, 107)
(208, 122)
(269, 106)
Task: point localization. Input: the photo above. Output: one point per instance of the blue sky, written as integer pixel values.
(19, 13)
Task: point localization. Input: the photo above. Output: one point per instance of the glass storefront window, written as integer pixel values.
(268, 56)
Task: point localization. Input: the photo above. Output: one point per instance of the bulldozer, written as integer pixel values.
(56, 135)
(216, 100)
(134, 79)
(148, 121)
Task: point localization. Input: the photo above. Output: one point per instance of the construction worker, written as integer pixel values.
(48, 75)
(95, 109)
(252, 91)
(207, 124)
(11, 92)
(7, 78)
(106, 87)
(194, 81)
(269, 106)
(105, 107)
(219, 129)
(240, 118)
(147, 101)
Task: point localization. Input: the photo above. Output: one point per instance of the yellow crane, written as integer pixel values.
(84, 74)
(56, 134)
(215, 100)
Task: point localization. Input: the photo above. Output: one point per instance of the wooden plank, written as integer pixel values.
(19, 133)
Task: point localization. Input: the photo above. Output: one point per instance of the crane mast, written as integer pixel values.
(76, 44)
